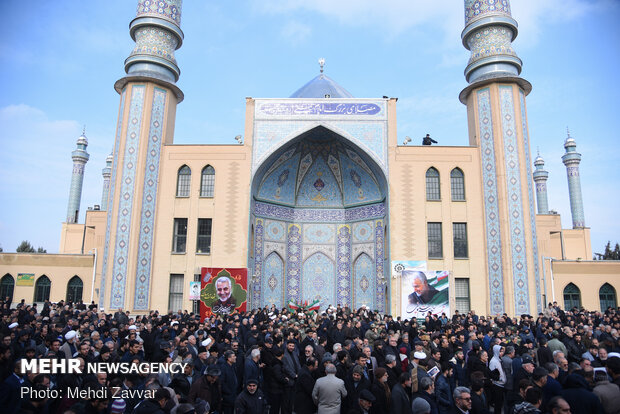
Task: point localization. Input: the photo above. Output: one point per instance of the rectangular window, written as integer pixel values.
(175, 297)
(179, 235)
(203, 243)
(459, 232)
(461, 294)
(435, 249)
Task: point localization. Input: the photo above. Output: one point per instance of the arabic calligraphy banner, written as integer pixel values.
(223, 291)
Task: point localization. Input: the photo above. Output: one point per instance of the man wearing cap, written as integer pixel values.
(251, 400)
(526, 370)
(363, 404)
(208, 388)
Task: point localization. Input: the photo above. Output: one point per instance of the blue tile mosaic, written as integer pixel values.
(491, 206)
(149, 201)
(127, 190)
(515, 203)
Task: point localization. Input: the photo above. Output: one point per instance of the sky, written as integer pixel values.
(59, 61)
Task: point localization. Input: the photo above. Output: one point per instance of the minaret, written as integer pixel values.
(497, 119)
(80, 158)
(146, 118)
(540, 178)
(106, 173)
(571, 160)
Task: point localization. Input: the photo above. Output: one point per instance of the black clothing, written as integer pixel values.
(247, 403)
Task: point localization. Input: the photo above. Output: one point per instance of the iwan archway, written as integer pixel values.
(319, 225)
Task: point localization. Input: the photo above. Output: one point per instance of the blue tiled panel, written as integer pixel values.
(293, 263)
(491, 206)
(273, 281)
(528, 163)
(363, 232)
(108, 226)
(515, 204)
(275, 230)
(379, 263)
(319, 281)
(258, 261)
(364, 281)
(343, 286)
(359, 186)
(127, 189)
(319, 187)
(319, 233)
(149, 200)
(279, 185)
(370, 136)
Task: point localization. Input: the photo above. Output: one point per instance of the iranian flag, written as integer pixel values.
(315, 306)
(293, 306)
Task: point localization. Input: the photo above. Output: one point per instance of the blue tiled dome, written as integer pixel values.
(321, 86)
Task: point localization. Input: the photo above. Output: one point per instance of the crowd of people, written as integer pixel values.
(336, 361)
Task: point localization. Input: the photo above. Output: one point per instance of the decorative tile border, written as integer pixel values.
(530, 193)
(149, 200)
(314, 108)
(319, 215)
(293, 261)
(491, 207)
(514, 200)
(123, 226)
(258, 263)
(108, 226)
(379, 259)
(343, 277)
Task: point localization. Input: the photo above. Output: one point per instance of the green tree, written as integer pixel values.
(41, 250)
(610, 254)
(25, 247)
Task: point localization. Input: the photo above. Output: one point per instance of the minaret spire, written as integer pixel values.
(149, 97)
(540, 178)
(106, 173)
(489, 33)
(80, 158)
(571, 160)
(495, 99)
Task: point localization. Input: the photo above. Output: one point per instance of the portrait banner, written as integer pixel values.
(223, 291)
(194, 290)
(425, 291)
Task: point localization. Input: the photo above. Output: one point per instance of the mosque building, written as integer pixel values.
(318, 199)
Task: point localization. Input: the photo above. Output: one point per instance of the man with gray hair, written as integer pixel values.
(422, 291)
(462, 400)
(328, 392)
(225, 302)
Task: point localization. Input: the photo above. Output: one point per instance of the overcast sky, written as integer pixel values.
(59, 61)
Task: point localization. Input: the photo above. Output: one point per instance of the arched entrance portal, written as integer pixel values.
(319, 225)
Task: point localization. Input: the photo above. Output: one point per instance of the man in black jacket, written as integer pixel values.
(401, 401)
(303, 403)
(251, 400)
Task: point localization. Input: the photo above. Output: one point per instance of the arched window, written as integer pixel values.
(7, 285)
(432, 185)
(207, 181)
(607, 295)
(184, 179)
(457, 184)
(74, 289)
(572, 297)
(42, 289)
